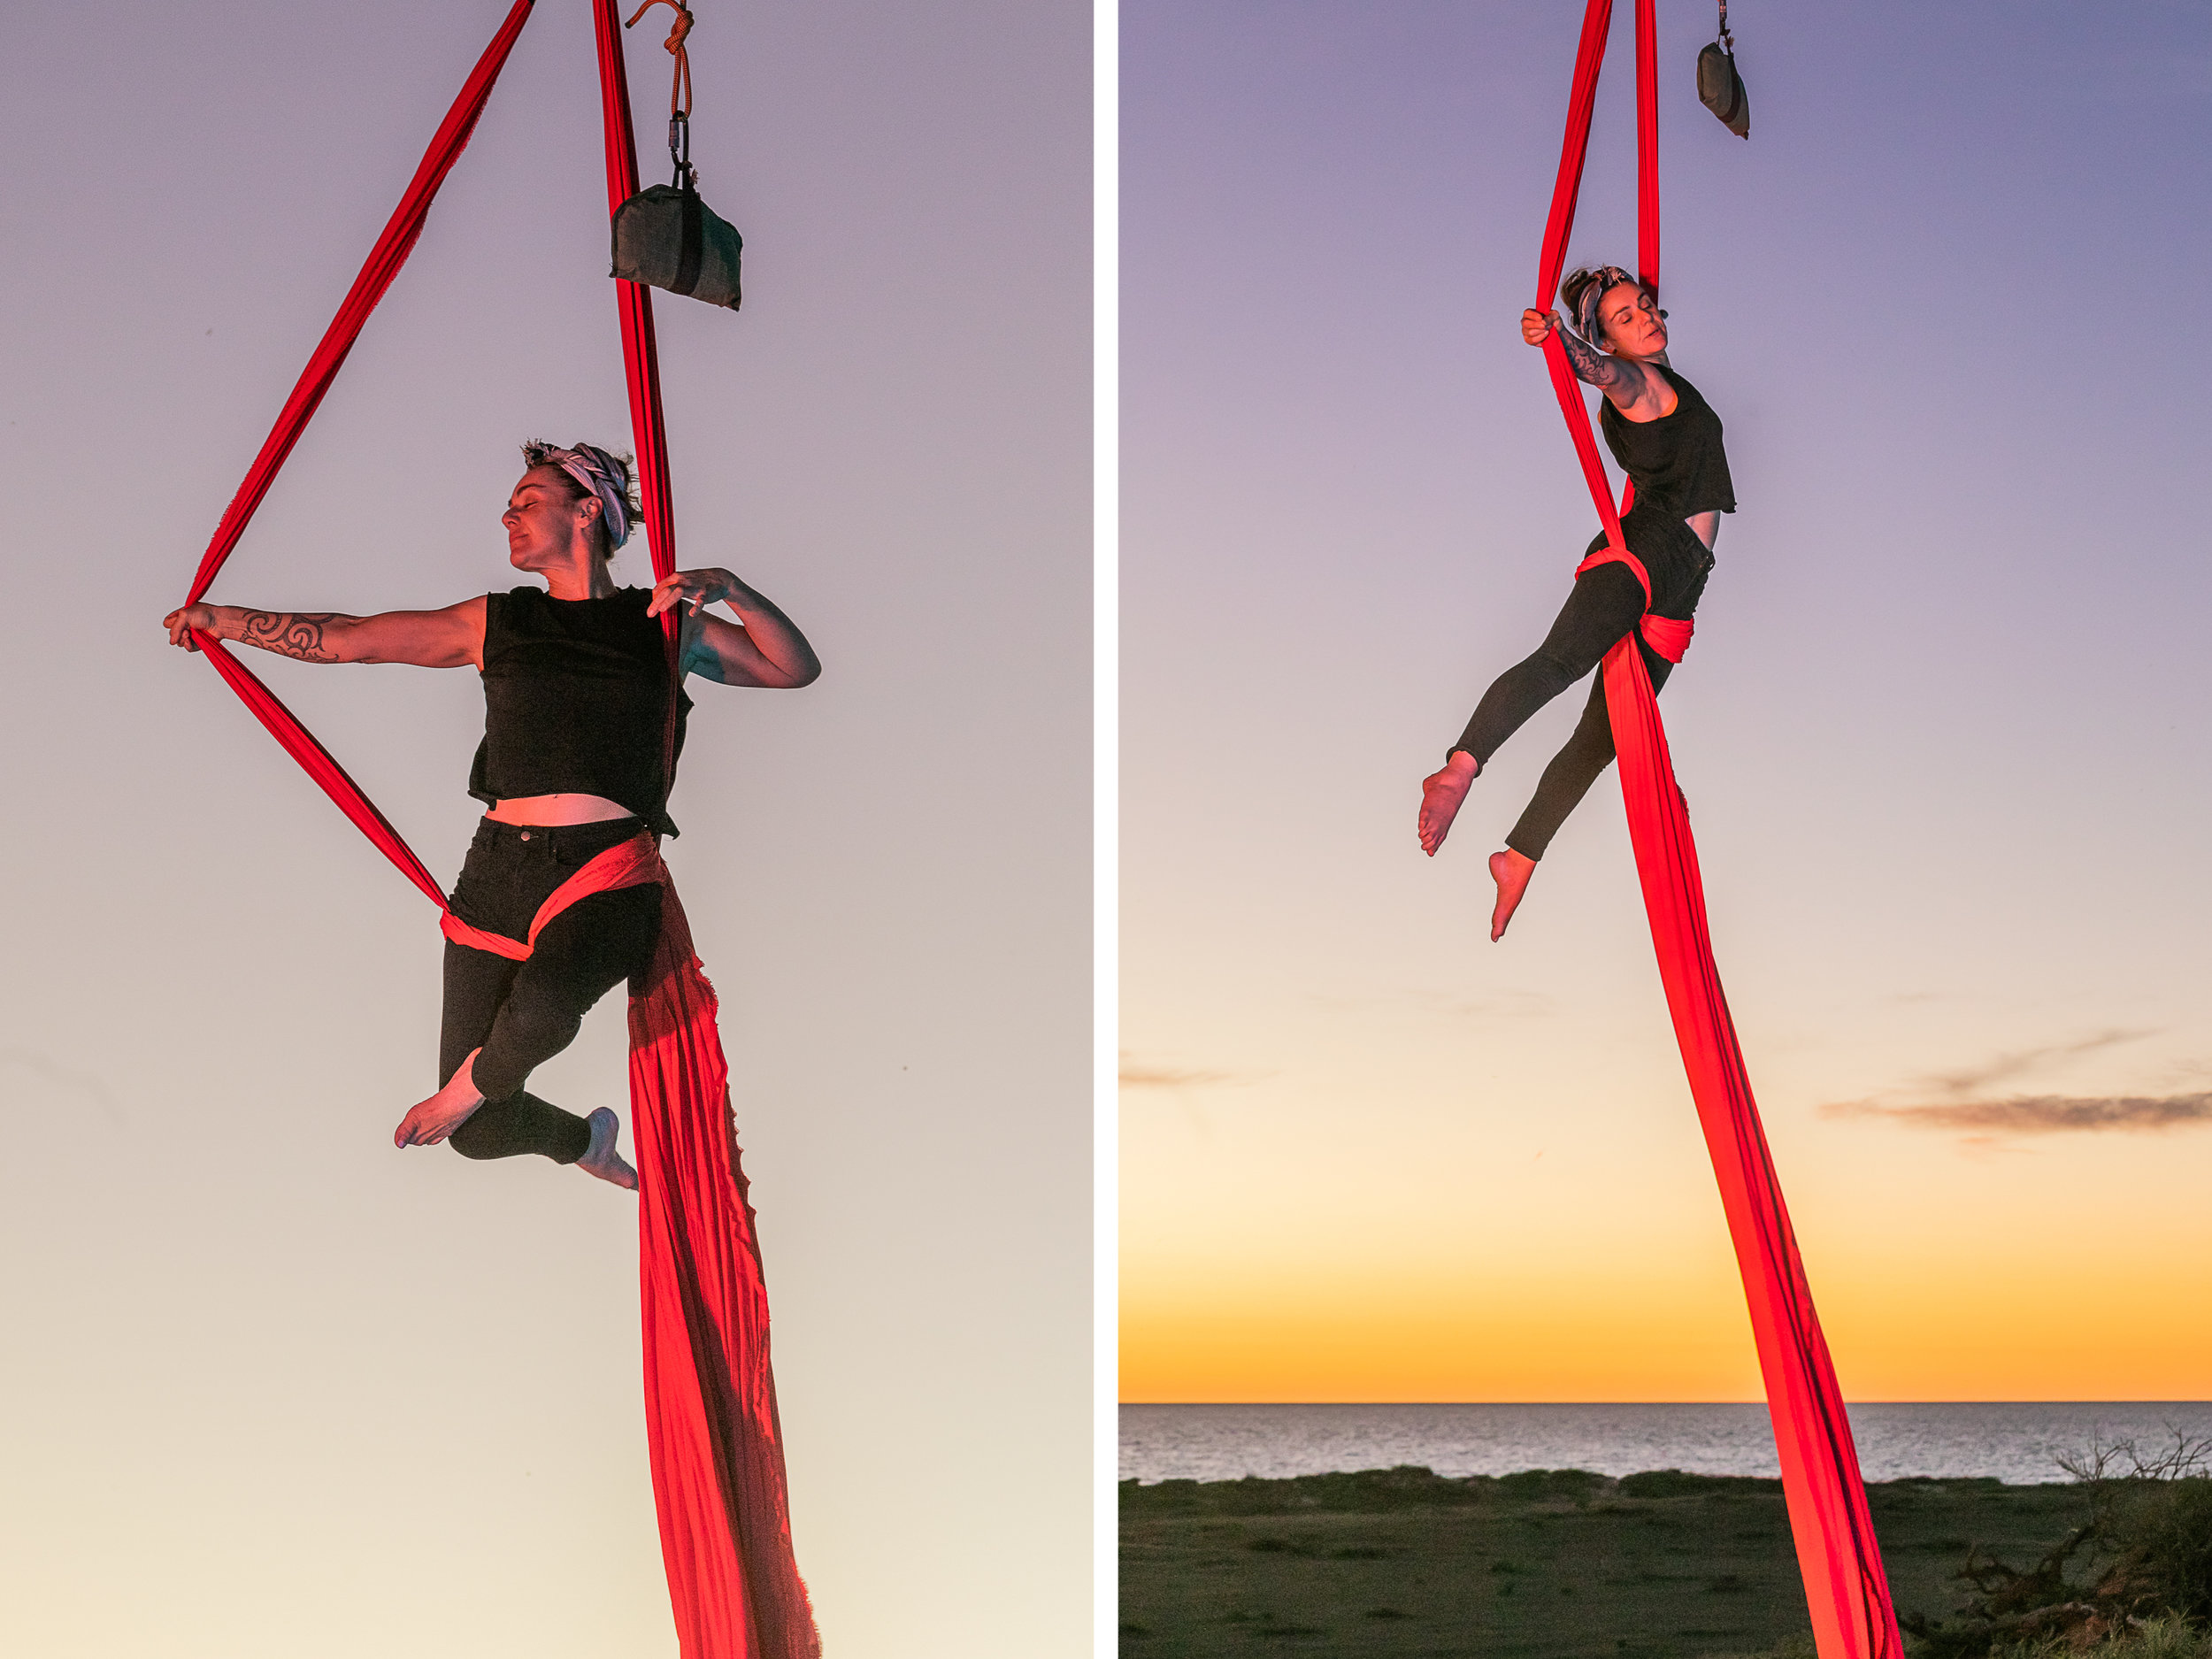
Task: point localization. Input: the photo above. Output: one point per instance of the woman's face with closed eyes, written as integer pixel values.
(1631, 322)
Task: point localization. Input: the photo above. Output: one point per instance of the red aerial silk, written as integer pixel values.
(631, 863)
(715, 1449)
(1844, 1585)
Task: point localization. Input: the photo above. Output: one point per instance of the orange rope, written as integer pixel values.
(679, 91)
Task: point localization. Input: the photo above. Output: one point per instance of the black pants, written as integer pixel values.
(523, 1013)
(1606, 604)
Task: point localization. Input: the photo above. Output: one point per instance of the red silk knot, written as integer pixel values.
(1846, 1588)
(1670, 636)
(631, 863)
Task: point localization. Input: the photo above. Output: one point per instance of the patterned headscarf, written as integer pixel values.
(1605, 279)
(606, 476)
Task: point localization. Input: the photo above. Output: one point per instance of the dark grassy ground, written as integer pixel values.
(1405, 1564)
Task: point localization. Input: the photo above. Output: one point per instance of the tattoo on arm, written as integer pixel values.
(692, 655)
(290, 634)
(1589, 362)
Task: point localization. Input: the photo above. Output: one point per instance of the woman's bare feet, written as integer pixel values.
(1510, 871)
(430, 1121)
(600, 1157)
(1442, 794)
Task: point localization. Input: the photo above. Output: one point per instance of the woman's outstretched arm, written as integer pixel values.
(451, 638)
(763, 648)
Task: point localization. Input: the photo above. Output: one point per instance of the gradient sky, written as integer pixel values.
(268, 1387)
(1942, 733)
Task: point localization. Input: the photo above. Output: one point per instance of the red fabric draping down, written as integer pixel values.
(1844, 1585)
(641, 351)
(711, 1409)
(710, 1397)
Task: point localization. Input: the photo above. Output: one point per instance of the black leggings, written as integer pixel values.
(1607, 602)
(523, 1013)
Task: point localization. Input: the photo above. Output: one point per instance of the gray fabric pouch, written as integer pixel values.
(670, 238)
(1720, 89)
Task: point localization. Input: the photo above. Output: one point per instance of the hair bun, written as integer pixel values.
(1585, 289)
(1570, 291)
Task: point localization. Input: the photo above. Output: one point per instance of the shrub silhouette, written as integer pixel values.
(2140, 1563)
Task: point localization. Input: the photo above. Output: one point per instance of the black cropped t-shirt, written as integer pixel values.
(1677, 462)
(575, 701)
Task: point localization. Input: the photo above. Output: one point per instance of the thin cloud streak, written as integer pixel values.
(65, 1079)
(2042, 1114)
(1971, 1079)
(1135, 1076)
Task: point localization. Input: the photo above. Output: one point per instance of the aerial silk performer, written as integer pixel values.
(1630, 612)
(1666, 437)
(565, 894)
(576, 690)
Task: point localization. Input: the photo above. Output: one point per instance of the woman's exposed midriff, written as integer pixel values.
(558, 810)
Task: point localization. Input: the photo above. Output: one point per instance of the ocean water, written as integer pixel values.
(2012, 1440)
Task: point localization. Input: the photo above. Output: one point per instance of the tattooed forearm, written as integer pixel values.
(291, 634)
(1590, 364)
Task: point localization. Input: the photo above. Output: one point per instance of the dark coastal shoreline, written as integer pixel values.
(1552, 1564)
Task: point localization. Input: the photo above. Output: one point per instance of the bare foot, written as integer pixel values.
(430, 1121)
(1442, 793)
(600, 1157)
(1510, 871)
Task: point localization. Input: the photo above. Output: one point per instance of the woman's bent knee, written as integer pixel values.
(536, 1034)
(474, 1140)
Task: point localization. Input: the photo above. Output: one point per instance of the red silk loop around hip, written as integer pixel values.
(632, 864)
(1619, 556)
(1669, 636)
(476, 939)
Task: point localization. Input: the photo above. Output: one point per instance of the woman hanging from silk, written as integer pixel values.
(1668, 439)
(576, 688)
